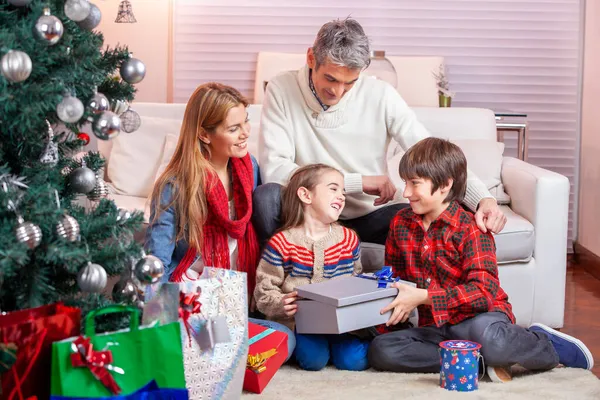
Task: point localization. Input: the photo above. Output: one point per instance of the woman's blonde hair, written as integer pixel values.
(187, 171)
(292, 208)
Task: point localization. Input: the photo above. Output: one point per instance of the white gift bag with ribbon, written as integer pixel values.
(213, 315)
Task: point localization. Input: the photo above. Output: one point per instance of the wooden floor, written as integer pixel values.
(582, 309)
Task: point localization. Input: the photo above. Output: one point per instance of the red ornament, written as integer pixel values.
(84, 136)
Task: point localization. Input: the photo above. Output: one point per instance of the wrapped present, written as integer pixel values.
(346, 304)
(118, 363)
(149, 392)
(268, 351)
(213, 314)
(26, 338)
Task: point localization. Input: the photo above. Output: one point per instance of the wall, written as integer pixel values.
(148, 39)
(589, 170)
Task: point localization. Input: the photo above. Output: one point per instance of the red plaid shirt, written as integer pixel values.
(453, 260)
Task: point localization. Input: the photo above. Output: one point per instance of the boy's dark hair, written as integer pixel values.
(439, 161)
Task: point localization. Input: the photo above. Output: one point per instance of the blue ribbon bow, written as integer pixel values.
(383, 277)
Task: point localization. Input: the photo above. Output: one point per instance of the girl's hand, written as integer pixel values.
(288, 303)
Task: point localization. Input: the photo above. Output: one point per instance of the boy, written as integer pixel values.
(437, 244)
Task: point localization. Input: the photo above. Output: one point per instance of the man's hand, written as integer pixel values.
(288, 303)
(489, 216)
(408, 299)
(381, 186)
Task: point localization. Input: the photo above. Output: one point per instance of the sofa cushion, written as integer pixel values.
(514, 244)
(135, 157)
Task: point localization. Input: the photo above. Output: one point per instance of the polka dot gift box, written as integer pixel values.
(459, 365)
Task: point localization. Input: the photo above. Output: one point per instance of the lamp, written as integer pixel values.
(125, 14)
(382, 68)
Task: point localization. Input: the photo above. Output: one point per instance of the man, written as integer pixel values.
(328, 113)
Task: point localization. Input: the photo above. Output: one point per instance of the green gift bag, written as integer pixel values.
(139, 355)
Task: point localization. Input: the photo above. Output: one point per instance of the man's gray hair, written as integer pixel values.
(342, 42)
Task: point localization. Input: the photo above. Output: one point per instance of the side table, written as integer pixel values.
(513, 121)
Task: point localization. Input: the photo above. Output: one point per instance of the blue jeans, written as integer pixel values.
(281, 328)
(346, 351)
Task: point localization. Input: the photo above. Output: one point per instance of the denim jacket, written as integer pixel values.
(161, 232)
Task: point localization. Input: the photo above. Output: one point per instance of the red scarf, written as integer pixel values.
(215, 251)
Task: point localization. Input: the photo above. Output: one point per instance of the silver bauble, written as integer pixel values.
(149, 269)
(140, 305)
(28, 233)
(15, 66)
(92, 20)
(70, 109)
(48, 28)
(133, 70)
(82, 180)
(130, 121)
(107, 125)
(68, 228)
(100, 190)
(77, 10)
(19, 3)
(99, 103)
(92, 278)
(124, 292)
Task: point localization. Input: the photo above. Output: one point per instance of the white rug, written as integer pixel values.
(331, 384)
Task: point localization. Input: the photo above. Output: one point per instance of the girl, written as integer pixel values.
(311, 247)
(202, 203)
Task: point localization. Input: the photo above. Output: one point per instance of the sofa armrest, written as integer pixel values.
(542, 197)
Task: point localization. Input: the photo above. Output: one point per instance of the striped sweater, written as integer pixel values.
(291, 259)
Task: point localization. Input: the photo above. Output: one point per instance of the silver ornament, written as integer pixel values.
(140, 305)
(92, 278)
(130, 121)
(92, 20)
(99, 103)
(82, 180)
(133, 71)
(125, 14)
(19, 3)
(77, 10)
(100, 190)
(15, 66)
(68, 228)
(120, 106)
(50, 154)
(28, 233)
(124, 292)
(48, 28)
(149, 269)
(70, 109)
(107, 126)
(123, 215)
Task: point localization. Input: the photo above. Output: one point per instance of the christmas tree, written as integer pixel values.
(55, 77)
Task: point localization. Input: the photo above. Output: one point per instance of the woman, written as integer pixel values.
(202, 203)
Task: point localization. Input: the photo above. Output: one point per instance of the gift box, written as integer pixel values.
(345, 304)
(267, 353)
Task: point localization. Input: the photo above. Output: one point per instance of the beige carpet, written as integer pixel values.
(331, 384)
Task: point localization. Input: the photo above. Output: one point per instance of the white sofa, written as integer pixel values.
(531, 249)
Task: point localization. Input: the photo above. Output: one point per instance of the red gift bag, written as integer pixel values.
(267, 352)
(26, 339)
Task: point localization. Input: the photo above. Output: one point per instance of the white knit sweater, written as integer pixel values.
(352, 136)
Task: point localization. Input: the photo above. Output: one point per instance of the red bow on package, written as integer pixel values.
(98, 362)
(189, 304)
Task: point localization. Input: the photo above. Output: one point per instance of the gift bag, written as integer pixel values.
(213, 315)
(26, 338)
(149, 392)
(117, 363)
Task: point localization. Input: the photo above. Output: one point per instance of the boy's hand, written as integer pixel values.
(489, 216)
(408, 299)
(289, 303)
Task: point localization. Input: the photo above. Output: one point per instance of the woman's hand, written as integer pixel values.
(288, 302)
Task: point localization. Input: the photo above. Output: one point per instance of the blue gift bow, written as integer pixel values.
(261, 335)
(150, 391)
(383, 277)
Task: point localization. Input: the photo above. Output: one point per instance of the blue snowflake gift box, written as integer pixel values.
(459, 365)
